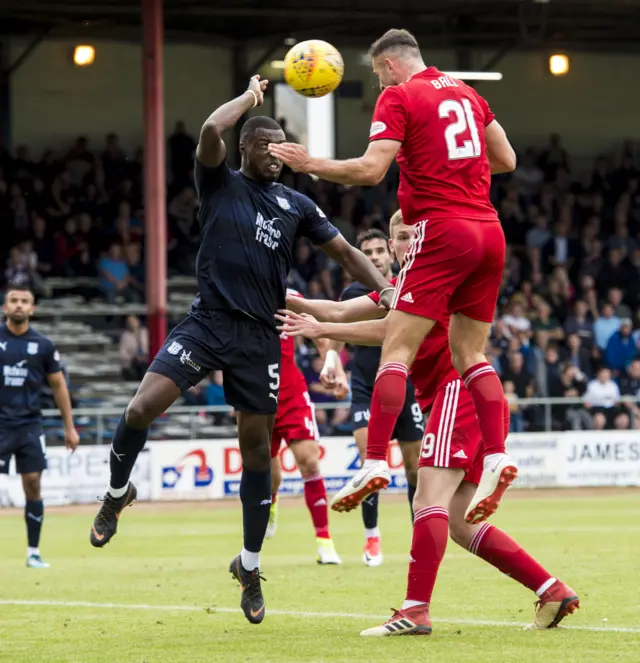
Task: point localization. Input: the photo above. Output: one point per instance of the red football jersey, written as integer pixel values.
(433, 366)
(291, 379)
(444, 169)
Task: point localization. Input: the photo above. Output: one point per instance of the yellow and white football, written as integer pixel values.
(313, 68)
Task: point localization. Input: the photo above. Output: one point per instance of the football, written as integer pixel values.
(313, 68)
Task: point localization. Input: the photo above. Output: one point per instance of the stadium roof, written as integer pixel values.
(612, 25)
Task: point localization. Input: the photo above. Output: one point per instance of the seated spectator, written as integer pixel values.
(569, 383)
(326, 419)
(615, 272)
(621, 348)
(181, 150)
(581, 323)
(114, 276)
(544, 322)
(67, 245)
(605, 326)
(516, 372)
(527, 176)
(620, 309)
(560, 249)
(17, 270)
(578, 355)
(601, 398)
(137, 275)
(515, 320)
(516, 424)
(540, 234)
(134, 349)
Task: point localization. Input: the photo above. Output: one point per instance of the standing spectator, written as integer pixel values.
(605, 326)
(114, 162)
(621, 348)
(570, 383)
(79, 161)
(515, 320)
(527, 176)
(43, 246)
(114, 275)
(560, 250)
(516, 372)
(540, 234)
(544, 322)
(134, 349)
(137, 276)
(181, 152)
(615, 273)
(553, 158)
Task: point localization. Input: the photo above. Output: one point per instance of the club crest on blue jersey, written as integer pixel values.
(32, 348)
(284, 203)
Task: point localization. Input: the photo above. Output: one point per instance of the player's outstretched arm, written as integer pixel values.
(211, 150)
(359, 333)
(367, 170)
(502, 156)
(349, 310)
(359, 266)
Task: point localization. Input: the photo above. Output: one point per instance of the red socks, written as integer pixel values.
(315, 496)
(501, 551)
(488, 400)
(430, 534)
(387, 402)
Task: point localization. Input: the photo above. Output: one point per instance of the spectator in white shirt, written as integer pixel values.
(602, 392)
(515, 320)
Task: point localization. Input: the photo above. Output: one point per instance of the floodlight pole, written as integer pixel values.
(155, 203)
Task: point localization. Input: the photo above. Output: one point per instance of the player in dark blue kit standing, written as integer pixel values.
(29, 360)
(249, 226)
(366, 361)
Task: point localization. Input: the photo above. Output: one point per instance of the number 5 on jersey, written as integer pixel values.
(464, 120)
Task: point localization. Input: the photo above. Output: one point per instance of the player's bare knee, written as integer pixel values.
(309, 466)
(138, 414)
(31, 485)
(460, 532)
(256, 457)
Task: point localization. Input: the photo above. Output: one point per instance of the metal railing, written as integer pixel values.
(94, 422)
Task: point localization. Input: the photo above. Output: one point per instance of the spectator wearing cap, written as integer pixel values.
(621, 347)
(605, 326)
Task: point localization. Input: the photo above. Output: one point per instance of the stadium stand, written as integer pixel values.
(569, 308)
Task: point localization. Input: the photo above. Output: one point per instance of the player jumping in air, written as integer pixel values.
(295, 425)
(29, 361)
(447, 143)
(410, 425)
(450, 465)
(249, 226)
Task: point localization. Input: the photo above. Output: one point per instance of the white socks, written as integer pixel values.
(372, 532)
(118, 492)
(33, 551)
(543, 588)
(250, 560)
(492, 460)
(371, 463)
(411, 604)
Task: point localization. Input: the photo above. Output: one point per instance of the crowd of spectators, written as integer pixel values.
(568, 320)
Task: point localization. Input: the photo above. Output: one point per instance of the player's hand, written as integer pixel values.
(386, 297)
(71, 439)
(328, 377)
(294, 155)
(258, 87)
(296, 324)
(341, 387)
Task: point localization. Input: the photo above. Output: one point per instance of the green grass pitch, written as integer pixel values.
(161, 592)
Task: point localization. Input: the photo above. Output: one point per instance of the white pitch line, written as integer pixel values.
(290, 613)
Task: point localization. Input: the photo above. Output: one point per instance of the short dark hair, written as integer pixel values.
(367, 235)
(20, 287)
(259, 122)
(392, 39)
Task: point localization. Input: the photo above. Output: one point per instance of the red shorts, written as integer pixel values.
(295, 420)
(453, 266)
(452, 435)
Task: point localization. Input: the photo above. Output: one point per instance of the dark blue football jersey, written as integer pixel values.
(366, 358)
(248, 230)
(26, 362)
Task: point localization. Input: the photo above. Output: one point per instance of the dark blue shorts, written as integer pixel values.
(410, 424)
(27, 444)
(245, 350)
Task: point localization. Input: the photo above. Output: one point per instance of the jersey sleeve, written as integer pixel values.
(51, 360)
(390, 116)
(375, 296)
(489, 115)
(314, 223)
(210, 180)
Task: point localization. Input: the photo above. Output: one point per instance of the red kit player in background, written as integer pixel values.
(295, 425)
(447, 144)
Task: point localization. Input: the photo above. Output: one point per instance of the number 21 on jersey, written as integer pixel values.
(461, 114)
